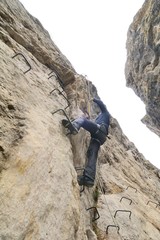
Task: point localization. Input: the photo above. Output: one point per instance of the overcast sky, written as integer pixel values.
(92, 35)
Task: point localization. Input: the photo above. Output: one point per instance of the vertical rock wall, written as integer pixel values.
(39, 195)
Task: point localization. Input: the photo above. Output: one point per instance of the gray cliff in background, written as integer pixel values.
(143, 61)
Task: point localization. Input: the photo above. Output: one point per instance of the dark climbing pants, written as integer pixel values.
(86, 124)
(98, 137)
(92, 155)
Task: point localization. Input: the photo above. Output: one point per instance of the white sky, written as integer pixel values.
(92, 35)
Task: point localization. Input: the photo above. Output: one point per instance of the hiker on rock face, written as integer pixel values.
(98, 130)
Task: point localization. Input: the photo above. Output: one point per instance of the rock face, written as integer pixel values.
(40, 198)
(143, 65)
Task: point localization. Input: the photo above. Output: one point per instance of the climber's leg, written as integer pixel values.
(86, 124)
(89, 173)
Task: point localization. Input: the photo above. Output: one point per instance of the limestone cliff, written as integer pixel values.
(143, 65)
(40, 198)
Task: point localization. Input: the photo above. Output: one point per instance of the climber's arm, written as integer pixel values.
(100, 104)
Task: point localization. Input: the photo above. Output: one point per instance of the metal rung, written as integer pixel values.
(132, 187)
(59, 81)
(157, 204)
(116, 226)
(126, 198)
(123, 211)
(25, 61)
(60, 92)
(50, 72)
(95, 213)
(58, 77)
(60, 109)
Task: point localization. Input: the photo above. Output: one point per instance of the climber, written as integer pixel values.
(99, 131)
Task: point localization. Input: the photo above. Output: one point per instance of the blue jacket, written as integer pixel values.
(104, 116)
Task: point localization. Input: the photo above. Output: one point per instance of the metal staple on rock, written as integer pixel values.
(102, 190)
(25, 61)
(60, 93)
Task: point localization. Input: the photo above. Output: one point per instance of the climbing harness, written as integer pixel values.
(101, 134)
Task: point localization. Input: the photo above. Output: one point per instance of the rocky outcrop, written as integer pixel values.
(142, 66)
(20, 28)
(40, 198)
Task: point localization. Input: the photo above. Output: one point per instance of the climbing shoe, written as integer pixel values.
(70, 126)
(85, 181)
